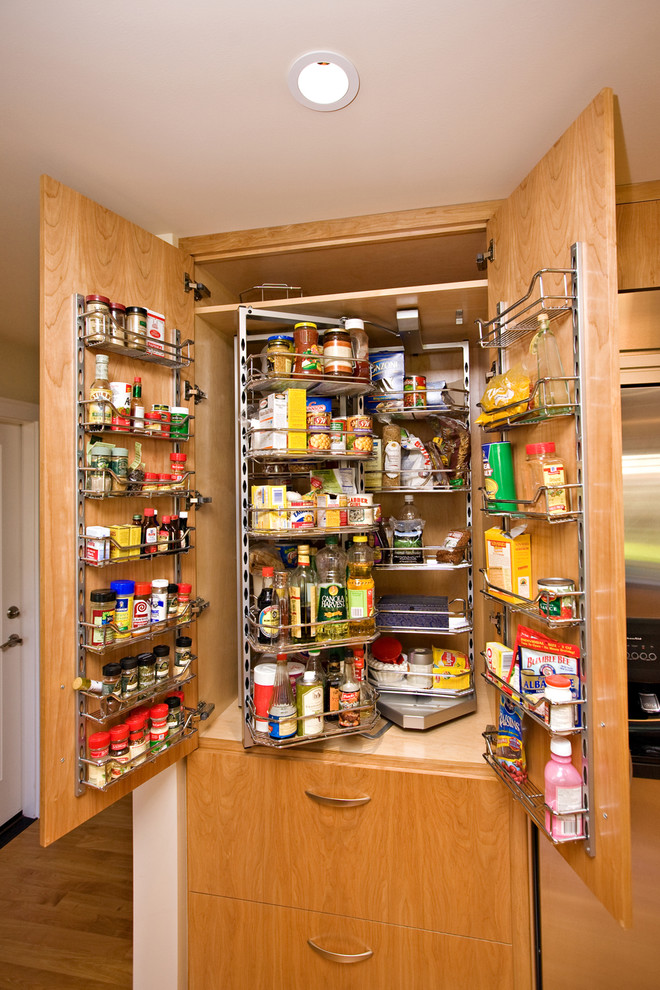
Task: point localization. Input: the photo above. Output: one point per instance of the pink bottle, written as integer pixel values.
(563, 791)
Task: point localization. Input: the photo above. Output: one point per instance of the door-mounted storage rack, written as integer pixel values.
(555, 292)
(90, 708)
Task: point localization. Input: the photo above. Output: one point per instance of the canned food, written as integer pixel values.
(359, 424)
(302, 514)
(338, 436)
(557, 600)
(318, 419)
(360, 510)
(414, 392)
(359, 443)
(319, 441)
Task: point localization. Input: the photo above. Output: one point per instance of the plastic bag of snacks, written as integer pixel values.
(450, 453)
(509, 748)
(503, 390)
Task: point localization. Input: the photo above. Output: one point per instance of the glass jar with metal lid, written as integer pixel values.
(557, 598)
(97, 322)
(337, 353)
(117, 332)
(307, 350)
(136, 328)
(279, 354)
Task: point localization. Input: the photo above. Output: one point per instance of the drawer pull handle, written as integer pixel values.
(341, 802)
(340, 957)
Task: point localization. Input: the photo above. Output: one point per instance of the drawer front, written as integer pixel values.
(422, 850)
(237, 944)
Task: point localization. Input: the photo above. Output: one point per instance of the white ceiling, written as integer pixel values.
(178, 116)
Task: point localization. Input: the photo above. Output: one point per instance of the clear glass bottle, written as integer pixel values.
(137, 406)
(281, 585)
(551, 395)
(332, 608)
(302, 598)
(309, 703)
(546, 470)
(332, 682)
(99, 410)
(349, 696)
(268, 612)
(282, 718)
(360, 585)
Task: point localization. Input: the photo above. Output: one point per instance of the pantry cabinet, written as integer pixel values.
(441, 876)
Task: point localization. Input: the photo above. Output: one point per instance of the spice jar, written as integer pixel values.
(112, 679)
(279, 353)
(159, 600)
(119, 754)
(150, 483)
(561, 713)
(119, 467)
(118, 324)
(182, 654)
(102, 603)
(100, 461)
(177, 469)
(152, 423)
(546, 470)
(158, 733)
(137, 737)
(172, 601)
(141, 607)
(124, 591)
(308, 352)
(184, 599)
(129, 676)
(146, 669)
(136, 328)
(337, 353)
(162, 655)
(120, 418)
(359, 348)
(179, 420)
(174, 714)
(97, 322)
(98, 747)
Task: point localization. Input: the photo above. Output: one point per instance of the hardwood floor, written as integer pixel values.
(66, 912)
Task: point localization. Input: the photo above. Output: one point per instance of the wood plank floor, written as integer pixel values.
(66, 914)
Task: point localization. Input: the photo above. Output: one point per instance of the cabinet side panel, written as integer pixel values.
(84, 248)
(569, 197)
(216, 551)
(638, 235)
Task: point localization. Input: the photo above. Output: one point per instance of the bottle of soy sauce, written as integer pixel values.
(267, 607)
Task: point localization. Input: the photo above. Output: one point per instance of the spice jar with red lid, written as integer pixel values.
(158, 734)
(97, 322)
(98, 747)
(184, 599)
(119, 752)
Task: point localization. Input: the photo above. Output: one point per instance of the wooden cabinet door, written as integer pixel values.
(87, 249)
(569, 197)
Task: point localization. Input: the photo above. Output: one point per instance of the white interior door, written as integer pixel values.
(11, 724)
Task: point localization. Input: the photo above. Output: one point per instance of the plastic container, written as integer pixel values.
(179, 420)
(102, 609)
(546, 469)
(561, 714)
(124, 591)
(98, 748)
(129, 676)
(159, 600)
(359, 348)
(361, 604)
(563, 792)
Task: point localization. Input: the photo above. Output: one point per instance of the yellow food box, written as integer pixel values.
(451, 670)
(297, 417)
(509, 563)
(121, 535)
(135, 537)
(499, 660)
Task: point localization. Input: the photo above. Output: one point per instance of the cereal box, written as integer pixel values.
(509, 562)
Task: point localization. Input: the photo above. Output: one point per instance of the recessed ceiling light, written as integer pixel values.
(323, 81)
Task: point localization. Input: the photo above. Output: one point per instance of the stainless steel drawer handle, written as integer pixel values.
(340, 957)
(341, 802)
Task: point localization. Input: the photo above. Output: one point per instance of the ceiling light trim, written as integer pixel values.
(334, 59)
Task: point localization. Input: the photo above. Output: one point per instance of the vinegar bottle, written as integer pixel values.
(551, 395)
(282, 717)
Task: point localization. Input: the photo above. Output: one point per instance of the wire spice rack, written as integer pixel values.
(108, 340)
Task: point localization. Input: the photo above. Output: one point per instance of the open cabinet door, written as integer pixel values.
(569, 198)
(86, 249)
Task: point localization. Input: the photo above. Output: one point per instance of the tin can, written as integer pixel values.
(338, 435)
(557, 601)
(359, 443)
(414, 392)
(359, 424)
(302, 514)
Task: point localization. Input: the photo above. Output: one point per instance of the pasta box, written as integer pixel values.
(413, 611)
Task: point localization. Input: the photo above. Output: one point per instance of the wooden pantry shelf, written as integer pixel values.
(437, 305)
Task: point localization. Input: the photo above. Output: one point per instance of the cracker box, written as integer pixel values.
(296, 403)
(509, 562)
(499, 660)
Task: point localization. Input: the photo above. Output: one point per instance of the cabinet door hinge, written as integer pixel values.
(193, 392)
(194, 498)
(200, 290)
(483, 259)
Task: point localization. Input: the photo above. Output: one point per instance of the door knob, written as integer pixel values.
(13, 640)
(13, 612)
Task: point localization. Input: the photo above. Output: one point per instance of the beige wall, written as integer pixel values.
(19, 371)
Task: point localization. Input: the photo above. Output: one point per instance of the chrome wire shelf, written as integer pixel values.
(184, 734)
(456, 621)
(394, 405)
(110, 706)
(539, 714)
(265, 383)
(331, 730)
(133, 489)
(429, 560)
(537, 411)
(127, 554)
(285, 643)
(119, 430)
(550, 291)
(531, 797)
(108, 341)
(137, 634)
(309, 532)
(512, 507)
(532, 606)
(405, 686)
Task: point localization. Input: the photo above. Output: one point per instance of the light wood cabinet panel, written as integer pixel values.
(236, 944)
(638, 245)
(87, 249)
(570, 197)
(426, 850)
